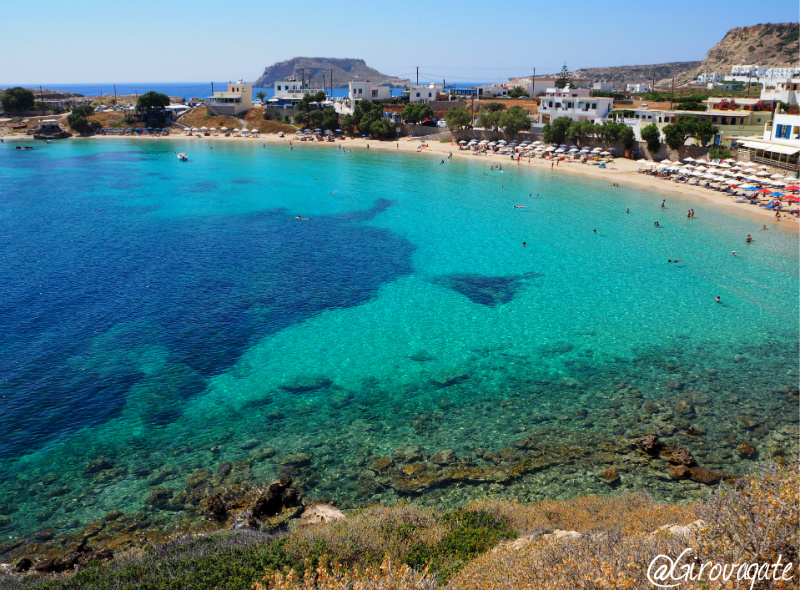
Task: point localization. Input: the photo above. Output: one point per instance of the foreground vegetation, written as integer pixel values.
(489, 544)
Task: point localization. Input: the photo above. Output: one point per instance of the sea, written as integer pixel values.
(380, 326)
(186, 90)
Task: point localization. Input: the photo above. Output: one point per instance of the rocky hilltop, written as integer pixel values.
(765, 44)
(317, 71)
(769, 44)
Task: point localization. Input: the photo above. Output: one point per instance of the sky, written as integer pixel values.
(96, 41)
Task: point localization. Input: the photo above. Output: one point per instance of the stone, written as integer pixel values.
(678, 471)
(250, 444)
(609, 476)
(113, 515)
(559, 534)
(198, 478)
(224, 469)
(684, 408)
(681, 530)
(747, 451)
(413, 469)
(319, 514)
(649, 444)
(677, 456)
(97, 465)
(703, 475)
(747, 422)
(692, 431)
(23, 565)
(675, 385)
(382, 464)
(649, 407)
(158, 497)
(526, 444)
(215, 508)
(448, 379)
(295, 460)
(446, 457)
(307, 384)
(289, 497)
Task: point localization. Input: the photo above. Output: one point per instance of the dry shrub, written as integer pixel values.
(369, 536)
(757, 519)
(387, 576)
(753, 522)
(628, 514)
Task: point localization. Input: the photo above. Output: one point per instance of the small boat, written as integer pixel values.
(183, 157)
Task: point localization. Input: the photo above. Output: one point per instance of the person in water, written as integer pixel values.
(717, 299)
(748, 239)
(628, 210)
(678, 260)
(524, 244)
(656, 224)
(663, 203)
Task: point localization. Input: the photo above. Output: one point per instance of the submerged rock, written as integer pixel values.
(307, 384)
(677, 456)
(446, 457)
(485, 290)
(215, 508)
(650, 444)
(747, 451)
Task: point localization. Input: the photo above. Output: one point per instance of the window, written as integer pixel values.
(279, 86)
(758, 119)
(787, 130)
(778, 130)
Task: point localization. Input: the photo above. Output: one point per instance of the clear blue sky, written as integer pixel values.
(158, 41)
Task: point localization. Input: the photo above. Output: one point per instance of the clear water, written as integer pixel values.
(170, 315)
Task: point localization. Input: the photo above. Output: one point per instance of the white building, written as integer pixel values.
(603, 86)
(637, 88)
(237, 99)
(360, 90)
(749, 70)
(709, 78)
(780, 146)
(785, 90)
(291, 90)
(775, 73)
(424, 93)
(492, 90)
(574, 103)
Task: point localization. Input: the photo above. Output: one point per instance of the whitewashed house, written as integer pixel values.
(574, 103)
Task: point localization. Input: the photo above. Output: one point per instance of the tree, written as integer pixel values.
(261, 95)
(493, 107)
(78, 122)
(489, 119)
(152, 100)
(626, 136)
(556, 132)
(514, 120)
(576, 132)
(704, 131)
(676, 134)
(83, 110)
(690, 106)
(652, 136)
(458, 117)
(517, 92)
(348, 123)
(330, 119)
(17, 99)
(563, 78)
(416, 112)
(383, 128)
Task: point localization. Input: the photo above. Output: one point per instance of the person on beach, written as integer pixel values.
(748, 239)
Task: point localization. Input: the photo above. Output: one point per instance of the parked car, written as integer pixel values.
(441, 123)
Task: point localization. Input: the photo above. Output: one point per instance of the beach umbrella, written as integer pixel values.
(203, 128)
(298, 132)
(560, 150)
(763, 190)
(777, 183)
(793, 199)
(223, 128)
(732, 182)
(793, 187)
(463, 141)
(762, 167)
(526, 142)
(762, 173)
(605, 153)
(563, 145)
(689, 159)
(777, 194)
(213, 129)
(724, 165)
(776, 176)
(748, 188)
(317, 130)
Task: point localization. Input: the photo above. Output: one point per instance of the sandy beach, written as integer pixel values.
(621, 171)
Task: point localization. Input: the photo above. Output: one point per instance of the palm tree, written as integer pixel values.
(261, 95)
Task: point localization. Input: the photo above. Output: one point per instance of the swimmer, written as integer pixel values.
(748, 239)
(663, 203)
(520, 206)
(333, 192)
(678, 260)
(442, 162)
(628, 210)
(524, 244)
(717, 299)
(595, 231)
(656, 224)
(765, 227)
(734, 253)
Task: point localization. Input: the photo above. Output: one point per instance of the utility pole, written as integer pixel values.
(672, 94)
(331, 81)
(41, 98)
(417, 75)
(115, 94)
(749, 75)
(533, 84)
(653, 87)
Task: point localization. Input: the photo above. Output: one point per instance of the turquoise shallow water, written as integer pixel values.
(172, 317)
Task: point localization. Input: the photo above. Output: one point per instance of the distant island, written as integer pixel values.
(317, 71)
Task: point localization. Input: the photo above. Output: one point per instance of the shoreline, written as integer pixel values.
(621, 170)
